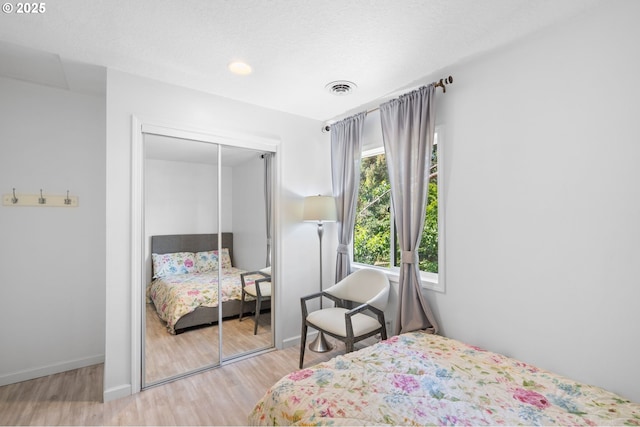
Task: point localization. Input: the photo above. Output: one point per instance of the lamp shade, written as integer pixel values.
(319, 208)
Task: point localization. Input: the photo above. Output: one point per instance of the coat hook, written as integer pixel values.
(42, 200)
(14, 199)
(67, 201)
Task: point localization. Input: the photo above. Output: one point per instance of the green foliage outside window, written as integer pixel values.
(372, 239)
(373, 218)
(429, 244)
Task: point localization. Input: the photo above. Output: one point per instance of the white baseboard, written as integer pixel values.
(115, 393)
(56, 368)
(290, 342)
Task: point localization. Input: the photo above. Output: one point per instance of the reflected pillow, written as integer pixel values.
(173, 263)
(206, 261)
(226, 258)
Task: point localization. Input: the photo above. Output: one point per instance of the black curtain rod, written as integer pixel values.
(440, 83)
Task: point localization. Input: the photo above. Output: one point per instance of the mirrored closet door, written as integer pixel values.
(244, 186)
(206, 210)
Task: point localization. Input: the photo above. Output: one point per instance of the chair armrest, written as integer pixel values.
(304, 299)
(365, 307)
(303, 303)
(311, 296)
(257, 283)
(253, 273)
(359, 309)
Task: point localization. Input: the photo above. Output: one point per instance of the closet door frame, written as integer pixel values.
(139, 126)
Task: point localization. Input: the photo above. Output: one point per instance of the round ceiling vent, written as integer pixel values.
(341, 87)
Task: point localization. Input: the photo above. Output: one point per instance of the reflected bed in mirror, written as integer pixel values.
(176, 344)
(184, 290)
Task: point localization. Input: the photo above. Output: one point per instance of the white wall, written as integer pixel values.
(178, 200)
(543, 200)
(52, 259)
(181, 198)
(302, 162)
(249, 215)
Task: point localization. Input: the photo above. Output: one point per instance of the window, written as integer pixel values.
(374, 237)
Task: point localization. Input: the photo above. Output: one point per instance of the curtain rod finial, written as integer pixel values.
(326, 128)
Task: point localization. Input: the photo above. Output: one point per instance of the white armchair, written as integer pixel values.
(369, 290)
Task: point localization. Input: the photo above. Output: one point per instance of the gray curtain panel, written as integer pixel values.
(268, 157)
(408, 125)
(346, 150)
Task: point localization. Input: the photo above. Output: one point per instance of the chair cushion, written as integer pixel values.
(265, 289)
(332, 320)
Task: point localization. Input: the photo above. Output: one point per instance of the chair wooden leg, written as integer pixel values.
(257, 316)
(349, 346)
(241, 307)
(303, 342)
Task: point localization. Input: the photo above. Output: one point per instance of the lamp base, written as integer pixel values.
(320, 344)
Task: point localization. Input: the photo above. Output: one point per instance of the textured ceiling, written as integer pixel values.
(295, 47)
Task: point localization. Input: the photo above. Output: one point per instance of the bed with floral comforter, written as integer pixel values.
(422, 379)
(177, 295)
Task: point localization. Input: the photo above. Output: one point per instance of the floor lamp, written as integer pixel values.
(319, 209)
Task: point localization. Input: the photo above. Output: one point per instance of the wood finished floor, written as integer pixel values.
(221, 396)
(168, 355)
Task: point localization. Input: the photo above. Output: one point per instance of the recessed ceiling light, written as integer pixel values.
(240, 68)
(341, 87)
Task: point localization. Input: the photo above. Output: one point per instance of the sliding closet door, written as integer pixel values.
(244, 213)
(202, 196)
(180, 198)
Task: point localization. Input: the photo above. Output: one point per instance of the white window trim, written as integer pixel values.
(431, 281)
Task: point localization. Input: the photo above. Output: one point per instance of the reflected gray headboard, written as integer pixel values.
(191, 243)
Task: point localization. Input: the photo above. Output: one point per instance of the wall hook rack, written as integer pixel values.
(40, 200)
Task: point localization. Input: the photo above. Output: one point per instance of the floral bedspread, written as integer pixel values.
(423, 379)
(180, 294)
